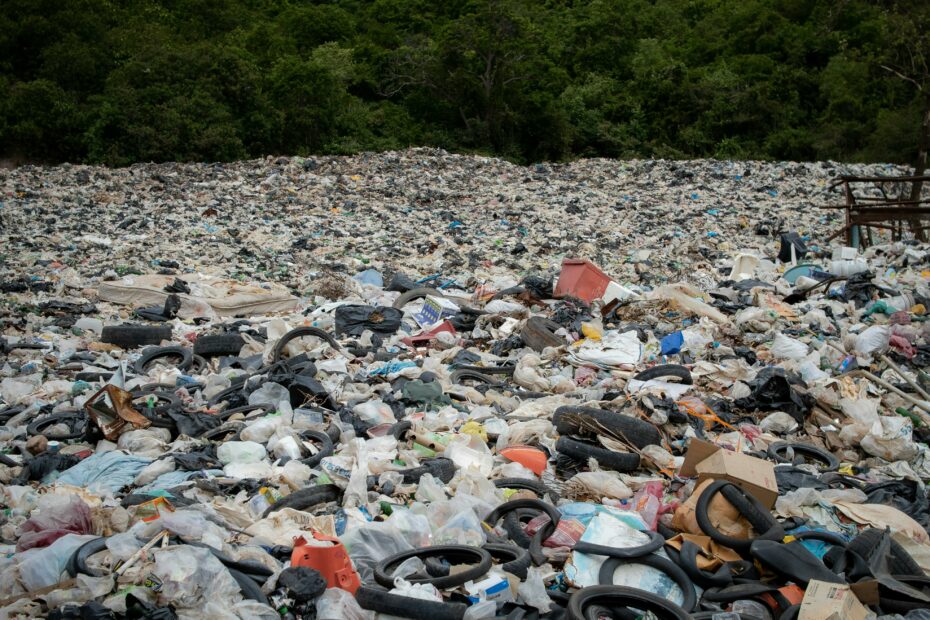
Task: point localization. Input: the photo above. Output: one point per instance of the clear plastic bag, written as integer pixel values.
(336, 604)
(192, 576)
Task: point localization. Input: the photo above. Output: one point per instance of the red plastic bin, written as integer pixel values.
(582, 279)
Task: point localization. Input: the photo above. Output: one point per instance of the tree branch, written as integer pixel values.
(903, 77)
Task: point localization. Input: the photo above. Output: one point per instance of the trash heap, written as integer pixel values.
(324, 388)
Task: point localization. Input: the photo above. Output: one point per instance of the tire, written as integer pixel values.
(747, 505)
(606, 575)
(515, 560)
(440, 468)
(37, 427)
(222, 430)
(265, 407)
(827, 461)
(78, 562)
(828, 537)
(381, 601)
(687, 559)
(167, 399)
(154, 353)
(306, 498)
(129, 336)
(233, 394)
(416, 293)
(525, 484)
(622, 597)
(326, 447)
(217, 345)
(664, 371)
(502, 510)
(300, 332)
(461, 553)
(900, 561)
(584, 421)
(538, 334)
(617, 461)
(897, 602)
(624, 553)
(249, 588)
(458, 375)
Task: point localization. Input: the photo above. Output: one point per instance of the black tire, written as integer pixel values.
(233, 394)
(165, 401)
(399, 430)
(78, 561)
(827, 462)
(526, 484)
(382, 601)
(78, 429)
(896, 602)
(249, 588)
(828, 537)
(216, 345)
(222, 431)
(306, 498)
(687, 559)
(514, 559)
(265, 407)
(154, 353)
(300, 332)
(664, 371)
(326, 447)
(440, 468)
(198, 365)
(900, 561)
(624, 553)
(620, 597)
(606, 575)
(535, 504)
(455, 554)
(585, 422)
(580, 451)
(459, 375)
(129, 336)
(747, 505)
(417, 293)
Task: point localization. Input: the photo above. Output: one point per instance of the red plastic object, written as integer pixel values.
(332, 562)
(582, 279)
(423, 338)
(532, 458)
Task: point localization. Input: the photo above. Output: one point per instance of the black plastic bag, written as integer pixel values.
(772, 390)
(302, 583)
(906, 495)
(859, 289)
(401, 283)
(788, 240)
(538, 286)
(354, 319)
(196, 461)
(193, 424)
(793, 478)
(44, 464)
(166, 313)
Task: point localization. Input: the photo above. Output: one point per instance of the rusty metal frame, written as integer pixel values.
(885, 213)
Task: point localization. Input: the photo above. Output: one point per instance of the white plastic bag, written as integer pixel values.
(873, 340)
(787, 348)
(240, 452)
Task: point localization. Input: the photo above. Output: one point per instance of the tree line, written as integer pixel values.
(123, 81)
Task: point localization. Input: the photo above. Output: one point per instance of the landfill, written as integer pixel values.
(421, 385)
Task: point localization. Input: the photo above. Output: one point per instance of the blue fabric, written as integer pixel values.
(672, 343)
(105, 472)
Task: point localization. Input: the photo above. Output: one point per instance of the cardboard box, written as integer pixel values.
(706, 460)
(831, 601)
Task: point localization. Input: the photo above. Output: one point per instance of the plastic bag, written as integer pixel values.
(414, 527)
(240, 452)
(191, 576)
(369, 543)
(890, 438)
(784, 347)
(269, 392)
(873, 340)
(455, 523)
(354, 319)
(596, 484)
(336, 604)
(532, 590)
(56, 516)
(40, 568)
(262, 429)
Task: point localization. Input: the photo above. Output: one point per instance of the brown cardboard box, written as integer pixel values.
(831, 601)
(706, 460)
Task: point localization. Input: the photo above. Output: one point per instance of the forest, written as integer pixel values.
(124, 81)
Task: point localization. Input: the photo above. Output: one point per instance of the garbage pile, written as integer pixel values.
(327, 388)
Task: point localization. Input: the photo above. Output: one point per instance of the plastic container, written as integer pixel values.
(582, 279)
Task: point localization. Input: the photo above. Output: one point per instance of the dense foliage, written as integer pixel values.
(120, 81)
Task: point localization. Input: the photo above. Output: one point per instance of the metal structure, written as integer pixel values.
(893, 211)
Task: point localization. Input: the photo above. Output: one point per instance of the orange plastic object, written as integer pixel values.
(532, 458)
(424, 337)
(792, 593)
(332, 562)
(582, 279)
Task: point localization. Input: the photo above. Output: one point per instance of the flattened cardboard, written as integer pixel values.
(706, 460)
(831, 601)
